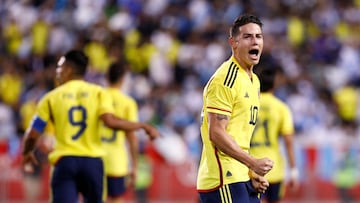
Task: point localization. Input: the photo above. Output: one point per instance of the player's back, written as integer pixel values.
(274, 120)
(74, 108)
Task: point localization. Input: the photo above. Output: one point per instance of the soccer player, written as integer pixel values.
(229, 116)
(274, 122)
(118, 143)
(75, 108)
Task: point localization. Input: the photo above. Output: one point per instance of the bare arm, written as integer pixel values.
(114, 122)
(289, 145)
(134, 150)
(133, 147)
(30, 140)
(223, 141)
(294, 173)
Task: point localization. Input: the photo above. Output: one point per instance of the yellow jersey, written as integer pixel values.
(74, 108)
(27, 111)
(274, 120)
(230, 92)
(116, 159)
(346, 99)
(11, 86)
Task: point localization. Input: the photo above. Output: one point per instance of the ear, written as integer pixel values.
(232, 42)
(67, 71)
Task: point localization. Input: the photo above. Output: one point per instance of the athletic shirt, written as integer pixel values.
(74, 108)
(116, 159)
(274, 120)
(230, 92)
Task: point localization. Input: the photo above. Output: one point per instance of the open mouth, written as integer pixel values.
(254, 52)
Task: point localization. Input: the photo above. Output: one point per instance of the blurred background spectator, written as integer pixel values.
(174, 46)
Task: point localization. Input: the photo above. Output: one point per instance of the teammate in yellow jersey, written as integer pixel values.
(230, 109)
(75, 108)
(274, 122)
(121, 147)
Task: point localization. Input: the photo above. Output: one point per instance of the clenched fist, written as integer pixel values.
(263, 166)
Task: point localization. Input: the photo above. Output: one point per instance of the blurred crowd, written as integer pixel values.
(174, 46)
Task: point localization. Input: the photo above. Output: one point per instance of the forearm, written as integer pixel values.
(224, 142)
(120, 124)
(290, 150)
(133, 148)
(30, 139)
(227, 145)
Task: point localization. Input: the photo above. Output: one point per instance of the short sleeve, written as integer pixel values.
(106, 104)
(219, 99)
(43, 108)
(288, 125)
(133, 111)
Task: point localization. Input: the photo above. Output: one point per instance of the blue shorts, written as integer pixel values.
(241, 192)
(274, 192)
(73, 175)
(116, 186)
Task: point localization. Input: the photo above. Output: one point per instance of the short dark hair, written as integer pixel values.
(243, 20)
(116, 71)
(78, 61)
(267, 77)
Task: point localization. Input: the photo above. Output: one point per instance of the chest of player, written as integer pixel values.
(247, 98)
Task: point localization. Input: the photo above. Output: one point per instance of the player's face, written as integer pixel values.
(248, 45)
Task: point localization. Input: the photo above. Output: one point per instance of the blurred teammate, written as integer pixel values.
(230, 109)
(119, 164)
(75, 108)
(274, 122)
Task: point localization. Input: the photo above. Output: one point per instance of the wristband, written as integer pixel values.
(294, 173)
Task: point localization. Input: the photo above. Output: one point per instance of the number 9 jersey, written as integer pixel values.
(74, 108)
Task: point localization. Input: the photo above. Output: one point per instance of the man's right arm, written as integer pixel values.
(223, 141)
(111, 121)
(31, 137)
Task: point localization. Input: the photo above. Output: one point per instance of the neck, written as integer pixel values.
(116, 85)
(76, 77)
(246, 67)
(69, 79)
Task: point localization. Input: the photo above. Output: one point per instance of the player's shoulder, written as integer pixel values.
(227, 73)
(76, 86)
(128, 97)
(278, 102)
(92, 85)
(125, 96)
(120, 95)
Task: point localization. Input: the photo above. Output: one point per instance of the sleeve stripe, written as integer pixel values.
(231, 75)
(233, 81)
(228, 73)
(209, 107)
